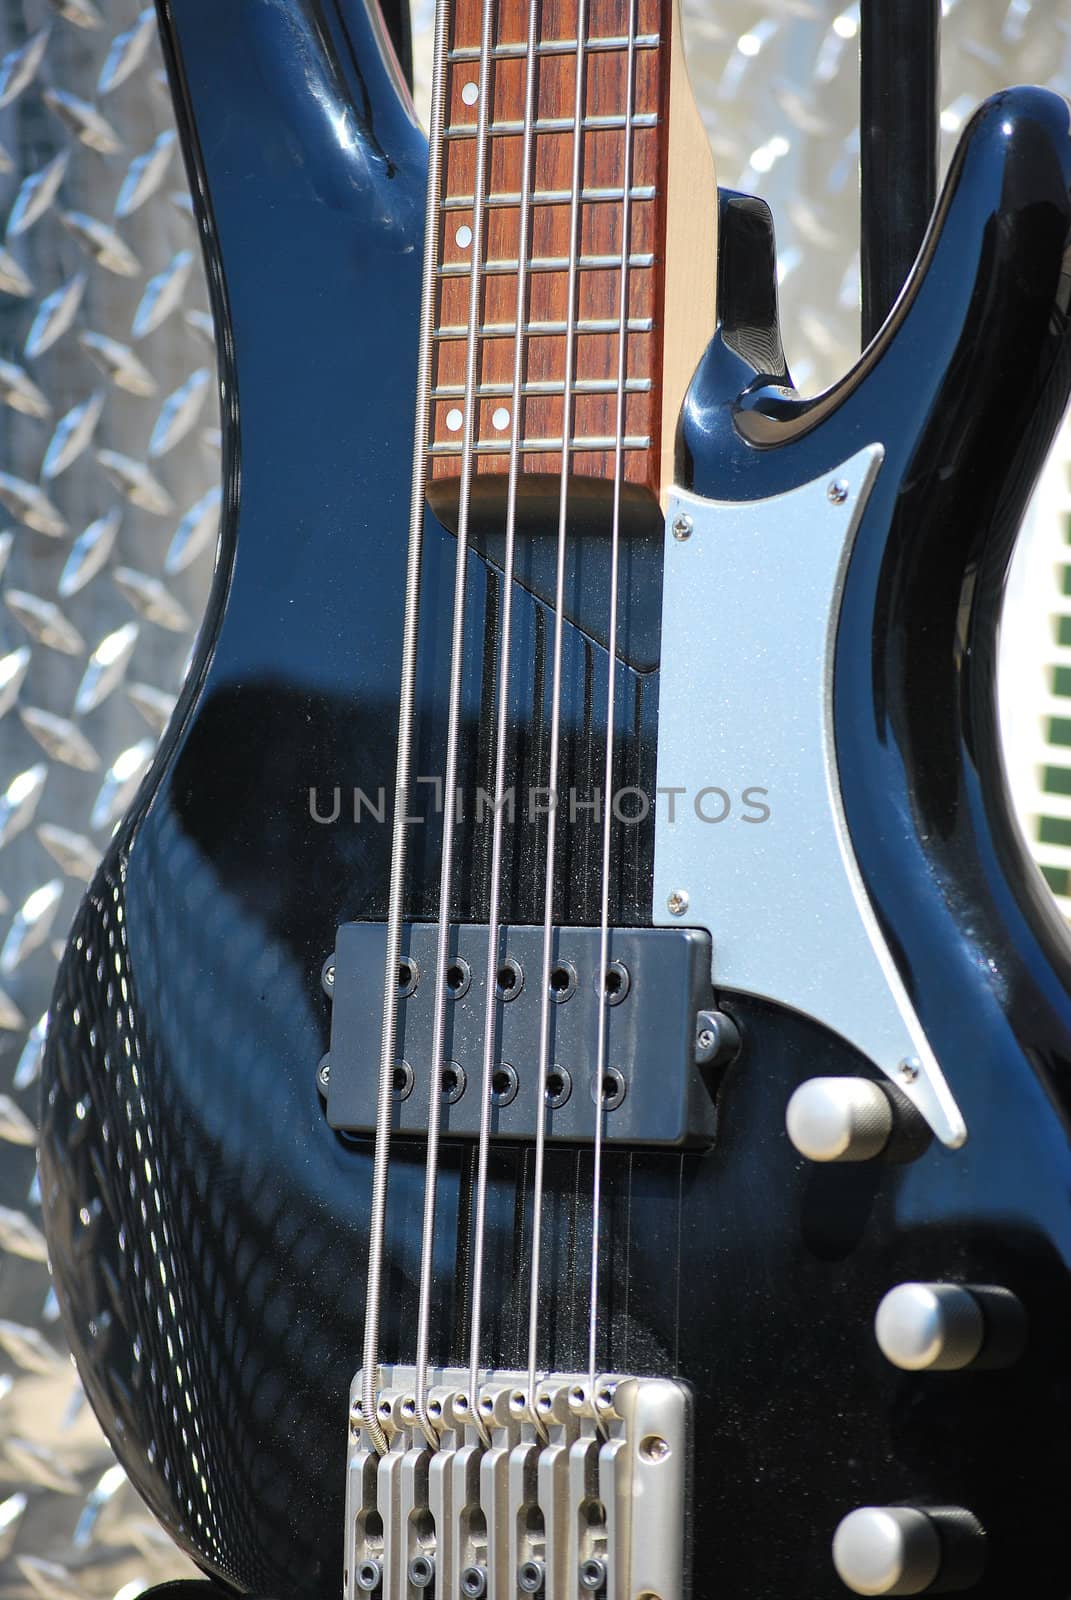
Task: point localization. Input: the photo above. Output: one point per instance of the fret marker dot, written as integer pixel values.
(470, 93)
(454, 419)
(463, 236)
(500, 418)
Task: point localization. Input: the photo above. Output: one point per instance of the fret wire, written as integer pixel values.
(592, 124)
(496, 447)
(507, 330)
(557, 47)
(462, 269)
(552, 197)
(487, 391)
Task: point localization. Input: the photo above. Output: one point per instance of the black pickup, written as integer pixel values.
(657, 980)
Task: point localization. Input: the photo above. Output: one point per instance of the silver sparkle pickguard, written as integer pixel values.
(750, 604)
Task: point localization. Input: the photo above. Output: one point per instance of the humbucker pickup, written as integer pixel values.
(656, 1089)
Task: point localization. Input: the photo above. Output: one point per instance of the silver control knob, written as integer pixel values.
(930, 1327)
(944, 1327)
(887, 1550)
(839, 1119)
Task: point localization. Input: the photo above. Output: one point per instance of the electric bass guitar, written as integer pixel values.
(560, 1084)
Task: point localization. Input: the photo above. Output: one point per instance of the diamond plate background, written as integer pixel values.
(109, 495)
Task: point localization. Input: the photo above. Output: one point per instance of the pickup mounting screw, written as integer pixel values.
(327, 976)
(837, 492)
(682, 527)
(323, 1074)
(677, 902)
(717, 1039)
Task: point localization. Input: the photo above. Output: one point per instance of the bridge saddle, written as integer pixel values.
(586, 1496)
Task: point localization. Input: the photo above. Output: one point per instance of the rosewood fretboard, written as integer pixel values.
(586, 418)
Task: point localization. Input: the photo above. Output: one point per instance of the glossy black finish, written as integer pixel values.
(208, 1229)
(899, 90)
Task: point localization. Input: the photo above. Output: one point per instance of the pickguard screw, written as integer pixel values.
(323, 1073)
(682, 527)
(837, 492)
(910, 1069)
(677, 902)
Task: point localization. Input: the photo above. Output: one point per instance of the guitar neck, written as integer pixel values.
(576, 178)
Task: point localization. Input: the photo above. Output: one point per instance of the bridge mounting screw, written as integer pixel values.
(837, 492)
(370, 1575)
(677, 902)
(682, 527)
(422, 1572)
(593, 1575)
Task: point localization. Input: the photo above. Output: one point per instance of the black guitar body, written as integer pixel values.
(208, 1229)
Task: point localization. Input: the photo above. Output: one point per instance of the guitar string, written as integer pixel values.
(457, 646)
(608, 810)
(555, 719)
(503, 670)
(403, 765)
